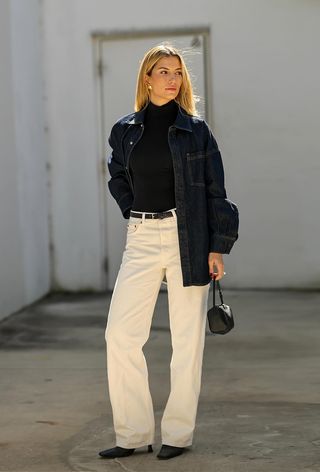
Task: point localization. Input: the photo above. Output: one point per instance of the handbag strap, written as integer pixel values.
(214, 291)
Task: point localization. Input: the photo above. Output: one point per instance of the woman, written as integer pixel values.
(167, 177)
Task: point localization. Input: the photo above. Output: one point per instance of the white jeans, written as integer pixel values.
(152, 251)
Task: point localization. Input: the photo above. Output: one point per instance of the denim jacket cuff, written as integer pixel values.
(221, 244)
(125, 204)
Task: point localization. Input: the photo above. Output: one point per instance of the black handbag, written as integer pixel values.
(220, 317)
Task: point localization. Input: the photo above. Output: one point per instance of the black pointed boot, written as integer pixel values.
(167, 452)
(119, 451)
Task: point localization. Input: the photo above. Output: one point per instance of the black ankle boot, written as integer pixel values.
(167, 452)
(119, 451)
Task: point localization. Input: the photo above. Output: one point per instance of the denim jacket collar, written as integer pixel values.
(183, 120)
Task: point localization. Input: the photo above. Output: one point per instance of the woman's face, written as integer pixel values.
(165, 80)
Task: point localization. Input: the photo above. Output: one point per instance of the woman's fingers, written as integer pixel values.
(218, 275)
(215, 260)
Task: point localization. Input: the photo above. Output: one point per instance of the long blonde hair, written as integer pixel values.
(186, 98)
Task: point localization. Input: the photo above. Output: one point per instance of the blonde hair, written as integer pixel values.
(186, 98)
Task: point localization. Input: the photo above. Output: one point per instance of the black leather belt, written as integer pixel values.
(160, 214)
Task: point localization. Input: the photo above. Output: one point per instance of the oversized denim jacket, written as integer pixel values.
(207, 220)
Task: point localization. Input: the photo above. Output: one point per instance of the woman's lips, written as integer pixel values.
(171, 88)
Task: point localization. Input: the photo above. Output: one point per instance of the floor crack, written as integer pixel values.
(124, 467)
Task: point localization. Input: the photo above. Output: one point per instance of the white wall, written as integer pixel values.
(24, 245)
(266, 114)
(266, 118)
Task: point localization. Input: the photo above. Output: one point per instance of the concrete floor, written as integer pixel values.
(259, 407)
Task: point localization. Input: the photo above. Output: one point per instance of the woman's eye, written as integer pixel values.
(179, 73)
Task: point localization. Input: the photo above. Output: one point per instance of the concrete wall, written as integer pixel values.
(24, 237)
(72, 138)
(266, 115)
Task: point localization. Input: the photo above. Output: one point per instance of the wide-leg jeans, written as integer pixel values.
(152, 251)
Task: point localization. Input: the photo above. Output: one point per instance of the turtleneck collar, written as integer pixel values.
(167, 109)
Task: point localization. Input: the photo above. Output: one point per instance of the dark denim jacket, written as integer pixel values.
(207, 220)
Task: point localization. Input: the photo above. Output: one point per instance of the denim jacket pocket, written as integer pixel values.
(196, 168)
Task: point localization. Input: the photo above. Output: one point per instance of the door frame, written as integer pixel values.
(98, 39)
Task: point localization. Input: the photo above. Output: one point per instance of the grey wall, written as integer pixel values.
(24, 237)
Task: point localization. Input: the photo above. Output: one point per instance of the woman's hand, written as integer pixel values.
(216, 259)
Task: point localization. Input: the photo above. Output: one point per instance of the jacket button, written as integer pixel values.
(131, 142)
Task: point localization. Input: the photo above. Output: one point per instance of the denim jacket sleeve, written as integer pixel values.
(223, 214)
(118, 184)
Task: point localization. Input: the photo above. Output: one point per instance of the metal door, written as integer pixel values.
(119, 59)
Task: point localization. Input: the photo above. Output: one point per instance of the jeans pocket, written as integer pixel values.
(133, 226)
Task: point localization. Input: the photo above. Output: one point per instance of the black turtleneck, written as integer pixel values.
(150, 162)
